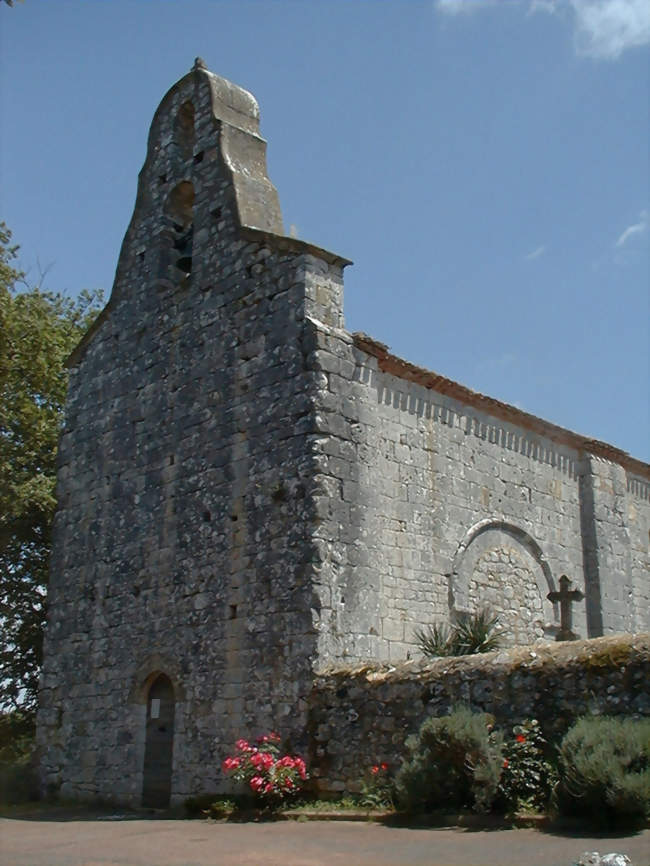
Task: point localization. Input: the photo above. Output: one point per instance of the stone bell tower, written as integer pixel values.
(185, 603)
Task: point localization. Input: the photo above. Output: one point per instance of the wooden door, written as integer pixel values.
(159, 744)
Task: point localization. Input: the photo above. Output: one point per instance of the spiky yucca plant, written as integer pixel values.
(435, 640)
(473, 633)
(477, 633)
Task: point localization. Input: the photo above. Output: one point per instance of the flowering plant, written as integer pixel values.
(527, 777)
(269, 776)
(377, 789)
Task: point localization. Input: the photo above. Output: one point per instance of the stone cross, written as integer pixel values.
(565, 596)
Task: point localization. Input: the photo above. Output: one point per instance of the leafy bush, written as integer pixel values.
(473, 633)
(604, 767)
(197, 805)
(350, 803)
(18, 781)
(377, 789)
(268, 776)
(219, 808)
(527, 777)
(454, 762)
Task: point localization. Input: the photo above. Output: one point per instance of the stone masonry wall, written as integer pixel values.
(638, 524)
(435, 507)
(425, 484)
(182, 539)
(362, 716)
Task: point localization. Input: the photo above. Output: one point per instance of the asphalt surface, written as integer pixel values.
(113, 842)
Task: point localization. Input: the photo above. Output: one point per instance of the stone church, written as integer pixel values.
(250, 494)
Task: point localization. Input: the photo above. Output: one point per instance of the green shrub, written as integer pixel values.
(222, 807)
(454, 762)
(528, 777)
(604, 768)
(197, 805)
(377, 788)
(18, 779)
(473, 633)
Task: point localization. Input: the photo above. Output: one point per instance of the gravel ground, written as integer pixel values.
(110, 841)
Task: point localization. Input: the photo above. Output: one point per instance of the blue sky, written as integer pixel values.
(485, 165)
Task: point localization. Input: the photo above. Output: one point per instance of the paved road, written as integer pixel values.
(317, 843)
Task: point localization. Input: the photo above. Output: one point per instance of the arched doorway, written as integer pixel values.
(159, 744)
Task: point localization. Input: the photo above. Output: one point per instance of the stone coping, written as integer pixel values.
(592, 651)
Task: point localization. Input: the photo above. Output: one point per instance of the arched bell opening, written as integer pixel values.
(159, 744)
(184, 131)
(179, 215)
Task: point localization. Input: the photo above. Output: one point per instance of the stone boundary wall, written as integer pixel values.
(360, 716)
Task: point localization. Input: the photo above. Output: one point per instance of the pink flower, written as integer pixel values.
(261, 760)
(242, 745)
(256, 783)
(375, 770)
(275, 736)
(231, 764)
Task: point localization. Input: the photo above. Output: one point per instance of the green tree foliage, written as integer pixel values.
(38, 330)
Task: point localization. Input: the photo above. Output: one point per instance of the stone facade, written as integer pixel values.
(248, 493)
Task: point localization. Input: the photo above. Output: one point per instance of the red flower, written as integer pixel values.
(375, 770)
(256, 783)
(506, 763)
(384, 766)
(520, 738)
(262, 760)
